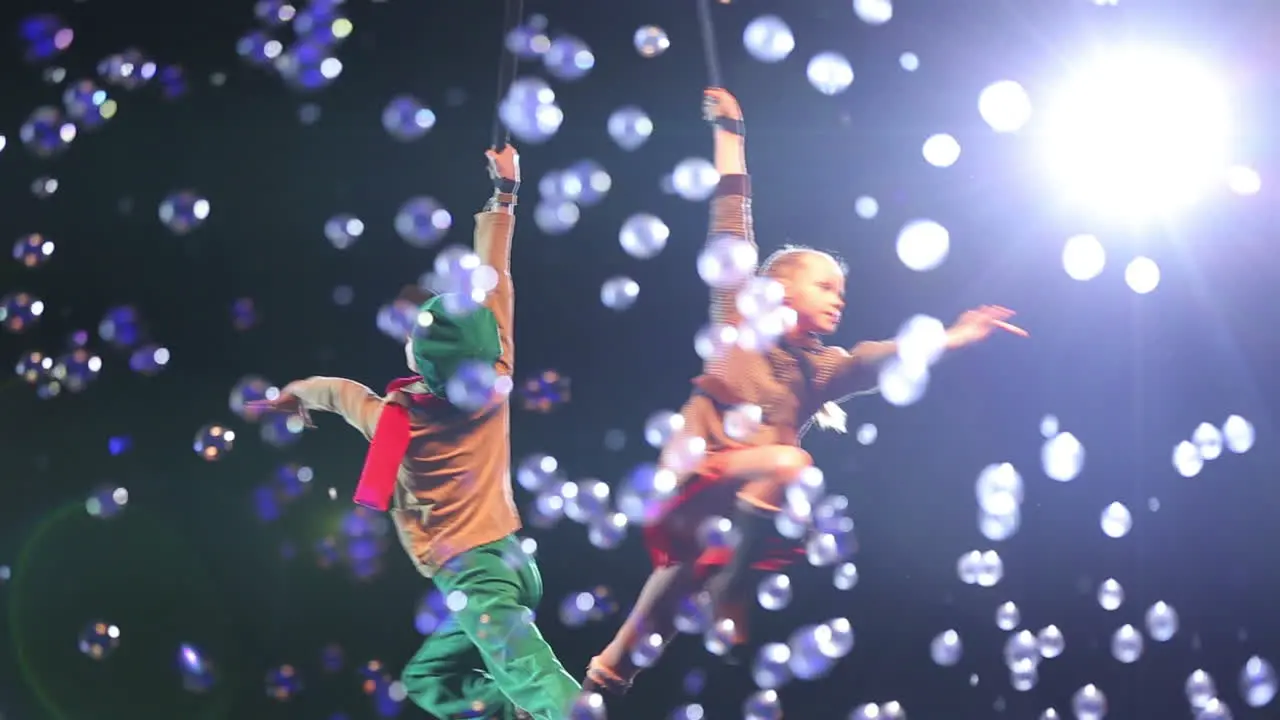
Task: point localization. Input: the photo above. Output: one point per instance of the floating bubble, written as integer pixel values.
(33, 250)
(422, 221)
(343, 230)
(873, 12)
(47, 132)
(214, 441)
(405, 118)
(830, 73)
(630, 127)
(1110, 594)
(44, 37)
(129, 69)
(99, 640)
(643, 236)
(529, 110)
(568, 58)
(19, 311)
(184, 211)
(1142, 275)
(1126, 644)
(651, 41)
(923, 245)
(695, 179)
(1004, 106)
(768, 39)
(283, 683)
(946, 648)
(619, 293)
(941, 150)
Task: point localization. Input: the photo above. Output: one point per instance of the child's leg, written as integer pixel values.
(497, 616)
(767, 470)
(446, 678)
(654, 612)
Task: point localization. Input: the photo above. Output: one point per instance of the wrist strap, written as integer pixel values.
(503, 185)
(731, 125)
(500, 201)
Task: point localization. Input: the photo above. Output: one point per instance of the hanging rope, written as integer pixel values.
(709, 43)
(508, 64)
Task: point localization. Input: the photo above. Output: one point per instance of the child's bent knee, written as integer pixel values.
(790, 461)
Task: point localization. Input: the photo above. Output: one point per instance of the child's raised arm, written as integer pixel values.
(731, 205)
(494, 229)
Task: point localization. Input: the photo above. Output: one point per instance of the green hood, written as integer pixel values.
(449, 340)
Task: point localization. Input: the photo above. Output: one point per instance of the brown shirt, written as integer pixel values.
(454, 489)
(789, 382)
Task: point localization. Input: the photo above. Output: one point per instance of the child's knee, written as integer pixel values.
(789, 462)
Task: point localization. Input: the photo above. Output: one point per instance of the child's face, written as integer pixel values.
(815, 290)
(408, 357)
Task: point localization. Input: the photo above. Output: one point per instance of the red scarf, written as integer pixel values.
(390, 443)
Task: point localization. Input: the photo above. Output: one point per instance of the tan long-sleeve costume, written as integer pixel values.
(454, 486)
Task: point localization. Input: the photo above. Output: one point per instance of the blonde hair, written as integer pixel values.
(779, 263)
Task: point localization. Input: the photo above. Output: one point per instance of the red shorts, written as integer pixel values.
(673, 540)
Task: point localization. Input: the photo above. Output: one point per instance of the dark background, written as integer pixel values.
(188, 561)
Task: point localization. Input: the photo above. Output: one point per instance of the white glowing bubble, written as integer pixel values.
(556, 217)
(1083, 257)
(921, 340)
(1004, 106)
(1089, 703)
(1238, 434)
(946, 648)
(866, 207)
(643, 236)
(830, 73)
(1142, 275)
(909, 61)
(1187, 459)
(903, 383)
(873, 12)
(923, 245)
(1116, 520)
(1110, 595)
(1161, 621)
(727, 261)
(1208, 441)
(619, 293)
(630, 127)
(695, 179)
(768, 39)
(1062, 457)
(1258, 682)
(651, 41)
(941, 150)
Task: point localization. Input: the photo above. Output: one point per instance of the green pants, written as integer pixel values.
(488, 658)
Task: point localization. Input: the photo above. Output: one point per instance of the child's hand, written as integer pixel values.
(286, 402)
(719, 103)
(504, 164)
(975, 325)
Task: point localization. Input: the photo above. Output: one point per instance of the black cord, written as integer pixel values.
(508, 64)
(709, 43)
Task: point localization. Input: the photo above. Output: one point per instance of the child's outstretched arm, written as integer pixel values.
(494, 229)
(840, 373)
(731, 205)
(357, 404)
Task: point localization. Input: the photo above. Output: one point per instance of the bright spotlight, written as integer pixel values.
(1138, 133)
